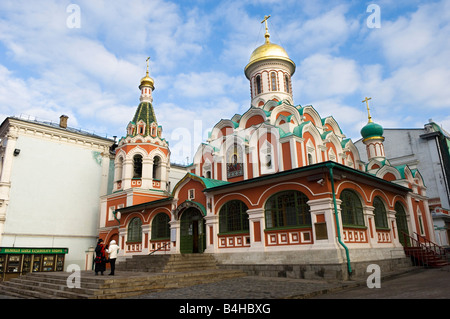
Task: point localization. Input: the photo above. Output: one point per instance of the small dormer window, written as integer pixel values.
(131, 128)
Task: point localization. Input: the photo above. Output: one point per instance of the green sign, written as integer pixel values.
(12, 250)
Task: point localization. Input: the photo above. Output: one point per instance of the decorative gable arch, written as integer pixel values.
(309, 113)
(253, 116)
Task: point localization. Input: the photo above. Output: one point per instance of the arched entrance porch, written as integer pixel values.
(192, 228)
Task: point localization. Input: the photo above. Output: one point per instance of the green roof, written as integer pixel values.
(146, 114)
(209, 182)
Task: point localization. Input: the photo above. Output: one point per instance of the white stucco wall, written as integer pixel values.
(54, 197)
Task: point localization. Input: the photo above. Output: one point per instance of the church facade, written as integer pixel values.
(278, 184)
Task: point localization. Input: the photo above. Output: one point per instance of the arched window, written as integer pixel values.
(273, 80)
(286, 83)
(351, 209)
(157, 168)
(380, 213)
(233, 217)
(287, 209)
(258, 84)
(134, 233)
(137, 166)
(161, 227)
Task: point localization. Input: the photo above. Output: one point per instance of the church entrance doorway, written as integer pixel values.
(192, 231)
(402, 225)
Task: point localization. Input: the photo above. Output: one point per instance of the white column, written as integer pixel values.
(146, 230)
(212, 229)
(175, 232)
(147, 173)
(164, 175)
(392, 223)
(369, 221)
(256, 226)
(122, 240)
(322, 211)
(127, 173)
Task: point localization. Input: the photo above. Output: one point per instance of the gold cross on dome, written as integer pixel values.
(265, 20)
(267, 35)
(367, 99)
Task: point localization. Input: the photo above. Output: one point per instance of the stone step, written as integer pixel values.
(54, 285)
(168, 263)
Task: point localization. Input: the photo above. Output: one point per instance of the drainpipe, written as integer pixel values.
(349, 267)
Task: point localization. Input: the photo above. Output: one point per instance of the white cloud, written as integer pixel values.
(207, 84)
(324, 33)
(320, 76)
(417, 50)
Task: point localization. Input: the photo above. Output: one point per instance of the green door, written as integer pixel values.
(402, 224)
(192, 231)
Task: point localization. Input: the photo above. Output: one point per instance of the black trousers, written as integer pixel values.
(112, 262)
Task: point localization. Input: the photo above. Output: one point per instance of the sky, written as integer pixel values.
(85, 59)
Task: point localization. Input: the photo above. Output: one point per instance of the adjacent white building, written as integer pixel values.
(51, 179)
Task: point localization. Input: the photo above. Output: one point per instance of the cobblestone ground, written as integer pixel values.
(250, 288)
(418, 284)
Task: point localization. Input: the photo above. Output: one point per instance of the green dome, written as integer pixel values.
(372, 130)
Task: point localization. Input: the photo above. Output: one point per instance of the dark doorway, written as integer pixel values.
(192, 231)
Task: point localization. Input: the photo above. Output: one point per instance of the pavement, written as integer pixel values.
(416, 284)
(422, 284)
(419, 283)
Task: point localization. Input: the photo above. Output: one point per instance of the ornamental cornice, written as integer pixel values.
(19, 127)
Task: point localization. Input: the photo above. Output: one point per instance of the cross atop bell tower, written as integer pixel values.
(147, 86)
(367, 105)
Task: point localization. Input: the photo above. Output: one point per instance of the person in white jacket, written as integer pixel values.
(112, 250)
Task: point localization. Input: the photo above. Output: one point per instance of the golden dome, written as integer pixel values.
(147, 81)
(269, 51)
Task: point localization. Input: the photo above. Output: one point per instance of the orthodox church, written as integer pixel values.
(277, 185)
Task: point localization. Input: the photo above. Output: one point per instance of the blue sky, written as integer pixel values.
(198, 52)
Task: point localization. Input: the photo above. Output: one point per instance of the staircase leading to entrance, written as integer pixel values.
(425, 252)
(135, 276)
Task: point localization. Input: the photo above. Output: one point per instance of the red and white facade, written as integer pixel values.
(256, 169)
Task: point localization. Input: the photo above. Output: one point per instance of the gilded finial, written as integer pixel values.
(147, 63)
(367, 105)
(267, 35)
(147, 80)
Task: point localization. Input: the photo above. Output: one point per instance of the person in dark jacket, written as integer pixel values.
(100, 258)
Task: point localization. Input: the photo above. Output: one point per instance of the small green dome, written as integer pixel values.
(372, 130)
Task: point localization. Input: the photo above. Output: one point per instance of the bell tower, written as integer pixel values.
(142, 159)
